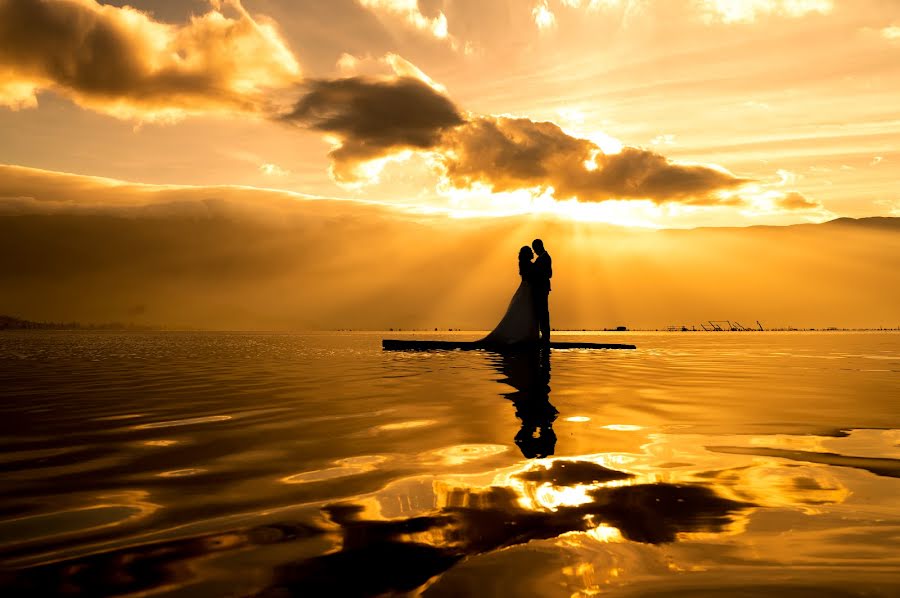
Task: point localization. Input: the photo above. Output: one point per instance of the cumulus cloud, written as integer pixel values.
(372, 118)
(123, 62)
(514, 153)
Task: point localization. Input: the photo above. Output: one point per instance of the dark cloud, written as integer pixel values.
(517, 153)
(122, 61)
(374, 118)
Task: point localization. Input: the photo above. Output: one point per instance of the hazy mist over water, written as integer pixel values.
(210, 464)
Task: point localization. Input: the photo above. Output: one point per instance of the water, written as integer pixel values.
(206, 464)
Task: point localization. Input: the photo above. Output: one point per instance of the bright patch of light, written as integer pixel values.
(578, 419)
(365, 173)
(607, 143)
(575, 123)
(622, 427)
(347, 64)
(748, 11)
(480, 200)
(18, 94)
(464, 453)
(666, 139)
(786, 177)
(418, 423)
(605, 533)
(404, 68)
(409, 11)
(543, 16)
(273, 170)
(591, 163)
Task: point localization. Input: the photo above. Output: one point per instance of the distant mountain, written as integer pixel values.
(871, 223)
(885, 223)
(11, 323)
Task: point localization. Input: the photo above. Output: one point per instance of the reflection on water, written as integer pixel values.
(528, 372)
(266, 465)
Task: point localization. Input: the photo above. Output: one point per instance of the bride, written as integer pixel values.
(519, 323)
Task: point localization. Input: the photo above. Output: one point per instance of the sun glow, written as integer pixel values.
(481, 201)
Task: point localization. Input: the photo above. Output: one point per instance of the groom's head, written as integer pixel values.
(538, 246)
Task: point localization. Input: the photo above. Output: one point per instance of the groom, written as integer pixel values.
(540, 288)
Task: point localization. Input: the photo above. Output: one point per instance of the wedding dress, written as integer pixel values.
(519, 323)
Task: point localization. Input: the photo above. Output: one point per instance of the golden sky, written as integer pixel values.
(673, 113)
(378, 163)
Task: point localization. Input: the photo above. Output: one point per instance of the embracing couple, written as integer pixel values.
(527, 318)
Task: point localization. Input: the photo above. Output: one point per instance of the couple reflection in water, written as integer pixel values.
(528, 372)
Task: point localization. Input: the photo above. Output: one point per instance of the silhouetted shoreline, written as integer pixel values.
(13, 323)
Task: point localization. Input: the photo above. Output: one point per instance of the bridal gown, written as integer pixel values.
(519, 323)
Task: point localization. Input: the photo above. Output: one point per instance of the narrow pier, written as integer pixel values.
(425, 345)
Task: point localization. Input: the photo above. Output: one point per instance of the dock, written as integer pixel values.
(423, 345)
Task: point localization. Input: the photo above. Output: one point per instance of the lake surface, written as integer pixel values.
(214, 464)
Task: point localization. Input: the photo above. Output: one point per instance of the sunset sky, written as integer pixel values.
(516, 114)
(670, 114)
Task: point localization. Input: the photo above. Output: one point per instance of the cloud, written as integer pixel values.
(373, 118)
(372, 121)
(665, 139)
(376, 119)
(891, 33)
(797, 201)
(748, 11)
(122, 62)
(270, 169)
(409, 11)
(543, 16)
(708, 11)
(514, 153)
(349, 65)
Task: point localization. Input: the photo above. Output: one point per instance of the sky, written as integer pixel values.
(663, 114)
(378, 163)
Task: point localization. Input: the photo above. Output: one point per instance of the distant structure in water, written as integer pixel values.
(722, 325)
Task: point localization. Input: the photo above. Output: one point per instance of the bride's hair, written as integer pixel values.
(525, 255)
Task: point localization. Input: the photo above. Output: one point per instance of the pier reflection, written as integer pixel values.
(528, 372)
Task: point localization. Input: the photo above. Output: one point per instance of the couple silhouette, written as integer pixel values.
(527, 319)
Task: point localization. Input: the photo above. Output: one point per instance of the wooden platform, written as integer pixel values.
(421, 345)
